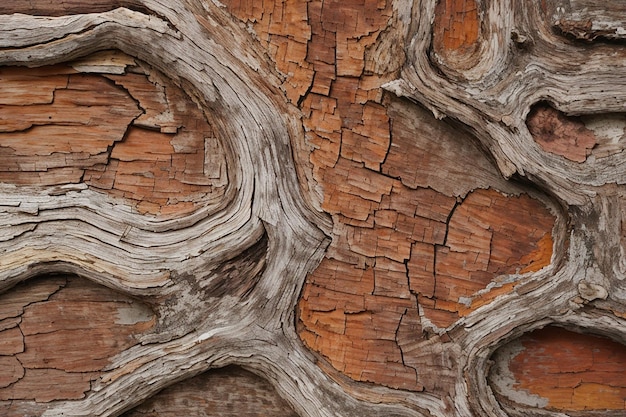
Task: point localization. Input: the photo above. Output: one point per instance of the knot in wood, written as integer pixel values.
(590, 291)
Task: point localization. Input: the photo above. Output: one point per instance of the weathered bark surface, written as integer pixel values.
(58, 335)
(114, 130)
(228, 392)
(376, 207)
(557, 369)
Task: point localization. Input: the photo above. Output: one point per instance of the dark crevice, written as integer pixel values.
(388, 151)
(396, 333)
(458, 202)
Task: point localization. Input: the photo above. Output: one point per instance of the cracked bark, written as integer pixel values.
(65, 331)
(562, 370)
(377, 207)
(128, 143)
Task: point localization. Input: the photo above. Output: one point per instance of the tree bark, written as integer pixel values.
(351, 208)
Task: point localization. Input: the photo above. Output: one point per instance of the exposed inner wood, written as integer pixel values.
(458, 35)
(58, 333)
(563, 370)
(456, 27)
(226, 392)
(559, 134)
(488, 235)
(133, 135)
(419, 241)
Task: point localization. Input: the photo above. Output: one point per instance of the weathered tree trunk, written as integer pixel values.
(313, 208)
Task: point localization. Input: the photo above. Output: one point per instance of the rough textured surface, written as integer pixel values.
(226, 392)
(66, 7)
(564, 370)
(456, 31)
(58, 334)
(133, 135)
(370, 203)
(420, 242)
(559, 134)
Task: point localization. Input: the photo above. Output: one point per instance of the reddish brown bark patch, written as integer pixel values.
(389, 173)
(456, 31)
(225, 392)
(351, 315)
(572, 371)
(49, 137)
(560, 134)
(60, 332)
(283, 28)
(456, 25)
(134, 136)
(359, 309)
(489, 234)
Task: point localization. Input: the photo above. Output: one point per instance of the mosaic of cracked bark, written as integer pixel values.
(422, 241)
(119, 128)
(460, 165)
(396, 188)
(57, 334)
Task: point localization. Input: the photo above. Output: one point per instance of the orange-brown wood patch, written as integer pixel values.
(57, 333)
(358, 307)
(456, 32)
(351, 315)
(283, 28)
(489, 234)
(399, 244)
(572, 371)
(456, 25)
(119, 134)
